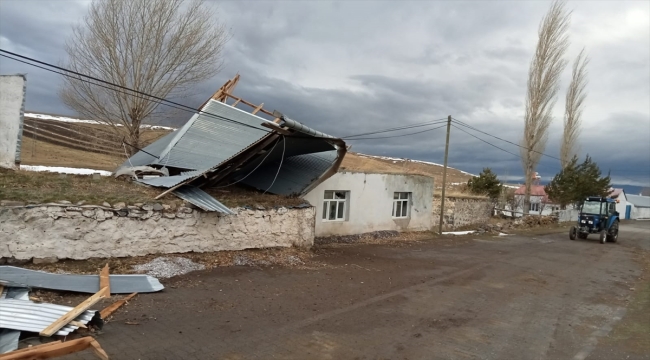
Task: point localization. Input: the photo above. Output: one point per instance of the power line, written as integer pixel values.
(159, 100)
(496, 137)
(428, 123)
(394, 136)
(502, 149)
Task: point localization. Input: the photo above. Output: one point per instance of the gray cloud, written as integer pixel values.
(354, 67)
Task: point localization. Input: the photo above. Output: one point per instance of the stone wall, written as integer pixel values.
(462, 212)
(81, 232)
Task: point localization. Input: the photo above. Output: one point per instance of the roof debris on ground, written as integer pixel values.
(20, 317)
(222, 145)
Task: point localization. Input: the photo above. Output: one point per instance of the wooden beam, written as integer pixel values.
(258, 108)
(30, 348)
(75, 312)
(78, 324)
(56, 349)
(104, 281)
(249, 104)
(235, 103)
(109, 310)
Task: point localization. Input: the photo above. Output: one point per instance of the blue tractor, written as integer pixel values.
(597, 216)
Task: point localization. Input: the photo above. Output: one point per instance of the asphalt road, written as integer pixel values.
(515, 297)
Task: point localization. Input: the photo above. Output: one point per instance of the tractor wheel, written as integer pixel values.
(573, 232)
(613, 231)
(603, 236)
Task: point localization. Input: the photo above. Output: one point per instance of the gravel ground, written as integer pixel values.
(164, 268)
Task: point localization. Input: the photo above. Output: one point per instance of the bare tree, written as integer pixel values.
(543, 83)
(575, 98)
(158, 47)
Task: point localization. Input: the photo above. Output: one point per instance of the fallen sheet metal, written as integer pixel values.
(120, 284)
(35, 317)
(15, 293)
(8, 340)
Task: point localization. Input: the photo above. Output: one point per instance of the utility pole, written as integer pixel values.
(444, 177)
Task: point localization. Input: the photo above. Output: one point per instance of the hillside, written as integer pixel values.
(53, 140)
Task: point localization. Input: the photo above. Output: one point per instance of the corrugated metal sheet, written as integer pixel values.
(292, 124)
(120, 284)
(209, 141)
(35, 317)
(638, 201)
(8, 340)
(15, 293)
(201, 199)
(157, 147)
(171, 181)
(296, 173)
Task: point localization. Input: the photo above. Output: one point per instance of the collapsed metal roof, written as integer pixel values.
(222, 145)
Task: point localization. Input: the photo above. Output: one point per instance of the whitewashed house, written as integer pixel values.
(540, 204)
(623, 207)
(350, 203)
(639, 206)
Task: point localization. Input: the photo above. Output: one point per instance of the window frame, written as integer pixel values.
(536, 205)
(341, 203)
(404, 204)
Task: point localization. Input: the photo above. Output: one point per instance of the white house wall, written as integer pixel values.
(640, 213)
(622, 204)
(12, 100)
(370, 203)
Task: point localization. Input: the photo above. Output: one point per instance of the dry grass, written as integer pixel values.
(42, 153)
(43, 187)
(357, 162)
(239, 196)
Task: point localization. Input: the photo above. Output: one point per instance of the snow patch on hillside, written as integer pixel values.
(73, 120)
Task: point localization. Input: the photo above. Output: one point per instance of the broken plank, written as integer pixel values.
(109, 310)
(31, 348)
(74, 313)
(104, 281)
(56, 349)
(78, 324)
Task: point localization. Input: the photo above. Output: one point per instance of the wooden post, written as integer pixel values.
(444, 177)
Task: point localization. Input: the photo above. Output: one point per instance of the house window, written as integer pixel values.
(534, 207)
(401, 204)
(334, 204)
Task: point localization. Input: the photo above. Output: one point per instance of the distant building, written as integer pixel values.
(639, 206)
(540, 204)
(350, 203)
(622, 206)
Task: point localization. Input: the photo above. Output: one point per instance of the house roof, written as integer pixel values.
(639, 201)
(614, 193)
(223, 145)
(535, 190)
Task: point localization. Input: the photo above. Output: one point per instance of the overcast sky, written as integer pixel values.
(357, 66)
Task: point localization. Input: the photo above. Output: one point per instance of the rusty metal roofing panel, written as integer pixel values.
(120, 284)
(201, 199)
(296, 174)
(35, 317)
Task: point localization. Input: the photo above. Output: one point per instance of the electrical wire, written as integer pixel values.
(252, 171)
(485, 141)
(284, 147)
(395, 136)
(496, 137)
(433, 122)
(134, 93)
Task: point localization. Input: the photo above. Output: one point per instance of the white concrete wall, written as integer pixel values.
(370, 203)
(547, 209)
(640, 213)
(622, 204)
(12, 96)
(85, 232)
